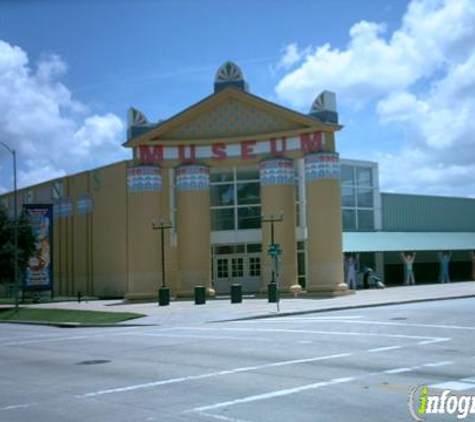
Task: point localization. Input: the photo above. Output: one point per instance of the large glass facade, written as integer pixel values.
(357, 197)
(235, 198)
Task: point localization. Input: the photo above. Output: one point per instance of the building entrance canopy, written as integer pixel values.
(416, 241)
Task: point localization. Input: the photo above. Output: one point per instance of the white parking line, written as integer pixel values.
(384, 349)
(368, 322)
(211, 374)
(221, 417)
(18, 406)
(400, 370)
(437, 364)
(337, 333)
(453, 385)
(273, 394)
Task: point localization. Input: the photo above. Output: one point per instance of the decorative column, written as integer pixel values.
(324, 226)
(193, 228)
(277, 177)
(144, 204)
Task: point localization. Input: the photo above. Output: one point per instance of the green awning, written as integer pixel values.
(407, 241)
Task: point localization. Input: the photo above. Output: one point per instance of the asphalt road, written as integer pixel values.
(357, 365)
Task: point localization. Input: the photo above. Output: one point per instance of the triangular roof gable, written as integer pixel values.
(277, 119)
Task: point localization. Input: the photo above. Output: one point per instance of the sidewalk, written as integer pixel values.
(186, 312)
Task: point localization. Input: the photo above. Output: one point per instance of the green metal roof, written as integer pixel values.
(420, 213)
(408, 241)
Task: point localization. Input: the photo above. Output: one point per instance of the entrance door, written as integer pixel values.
(243, 269)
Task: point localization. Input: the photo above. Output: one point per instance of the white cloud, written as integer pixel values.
(53, 134)
(291, 56)
(421, 80)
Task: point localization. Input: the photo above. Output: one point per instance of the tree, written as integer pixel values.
(26, 246)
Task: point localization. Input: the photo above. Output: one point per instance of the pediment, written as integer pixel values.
(229, 114)
(232, 118)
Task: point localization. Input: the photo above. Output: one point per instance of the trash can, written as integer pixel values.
(273, 292)
(236, 293)
(164, 296)
(200, 295)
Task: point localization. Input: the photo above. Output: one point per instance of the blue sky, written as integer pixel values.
(403, 72)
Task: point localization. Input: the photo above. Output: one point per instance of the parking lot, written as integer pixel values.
(349, 365)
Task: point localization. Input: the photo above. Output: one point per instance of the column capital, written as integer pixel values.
(277, 171)
(144, 179)
(322, 165)
(191, 177)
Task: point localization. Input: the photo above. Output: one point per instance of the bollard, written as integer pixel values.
(236, 293)
(200, 295)
(273, 292)
(79, 297)
(163, 296)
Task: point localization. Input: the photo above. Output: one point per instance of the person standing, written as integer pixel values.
(444, 259)
(351, 271)
(408, 259)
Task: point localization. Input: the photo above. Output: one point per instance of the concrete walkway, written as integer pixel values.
(186, 312)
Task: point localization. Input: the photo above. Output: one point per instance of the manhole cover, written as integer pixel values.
(398, 319)
(93, 362)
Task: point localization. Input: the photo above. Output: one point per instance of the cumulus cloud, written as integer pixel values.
(420, 79)
(52, 133)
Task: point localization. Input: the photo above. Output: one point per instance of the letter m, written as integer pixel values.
(150, 154)
(311, 142)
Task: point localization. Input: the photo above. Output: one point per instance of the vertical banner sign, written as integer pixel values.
(39, 269)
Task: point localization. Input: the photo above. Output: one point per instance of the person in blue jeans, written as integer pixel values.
(408, 259)
(444, 259)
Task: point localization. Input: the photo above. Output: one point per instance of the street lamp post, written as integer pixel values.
(164, 291)
(274, 251)
(15, 217)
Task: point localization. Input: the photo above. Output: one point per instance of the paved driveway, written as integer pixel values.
(355, 365)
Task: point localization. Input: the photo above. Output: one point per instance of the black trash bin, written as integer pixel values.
(163, 296)
(236, 293)
(200, 295)
(273, 292)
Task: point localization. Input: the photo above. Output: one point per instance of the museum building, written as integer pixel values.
(227, 177)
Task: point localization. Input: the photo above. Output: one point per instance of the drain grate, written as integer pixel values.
(93, 362)
(398, 319)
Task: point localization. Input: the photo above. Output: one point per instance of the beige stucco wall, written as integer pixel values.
(194, 240)
(324, 244)
(279, 200)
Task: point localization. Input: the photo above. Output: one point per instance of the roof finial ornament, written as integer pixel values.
(229, 74)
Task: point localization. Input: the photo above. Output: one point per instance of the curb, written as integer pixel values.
(344, 308)
(76, 324)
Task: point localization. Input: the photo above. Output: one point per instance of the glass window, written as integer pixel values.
(222, 219)
(248, 193)
(364, 176)
(222, 195)
(348, 196)
(365, 220)
(365, 198)
(223, 249)
(254, 266)
(347, 175)
(237, 265)
(248, 173)
(222, 268)
(249, 217)
(221, 174)
(349, 219)
(300, 246)
(254, 248)
(301, 263)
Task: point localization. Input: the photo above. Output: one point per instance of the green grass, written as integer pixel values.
(64, 315)
(11, 300)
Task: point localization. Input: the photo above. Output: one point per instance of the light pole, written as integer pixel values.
(15, 217)
(164, 291)
(274, 251)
